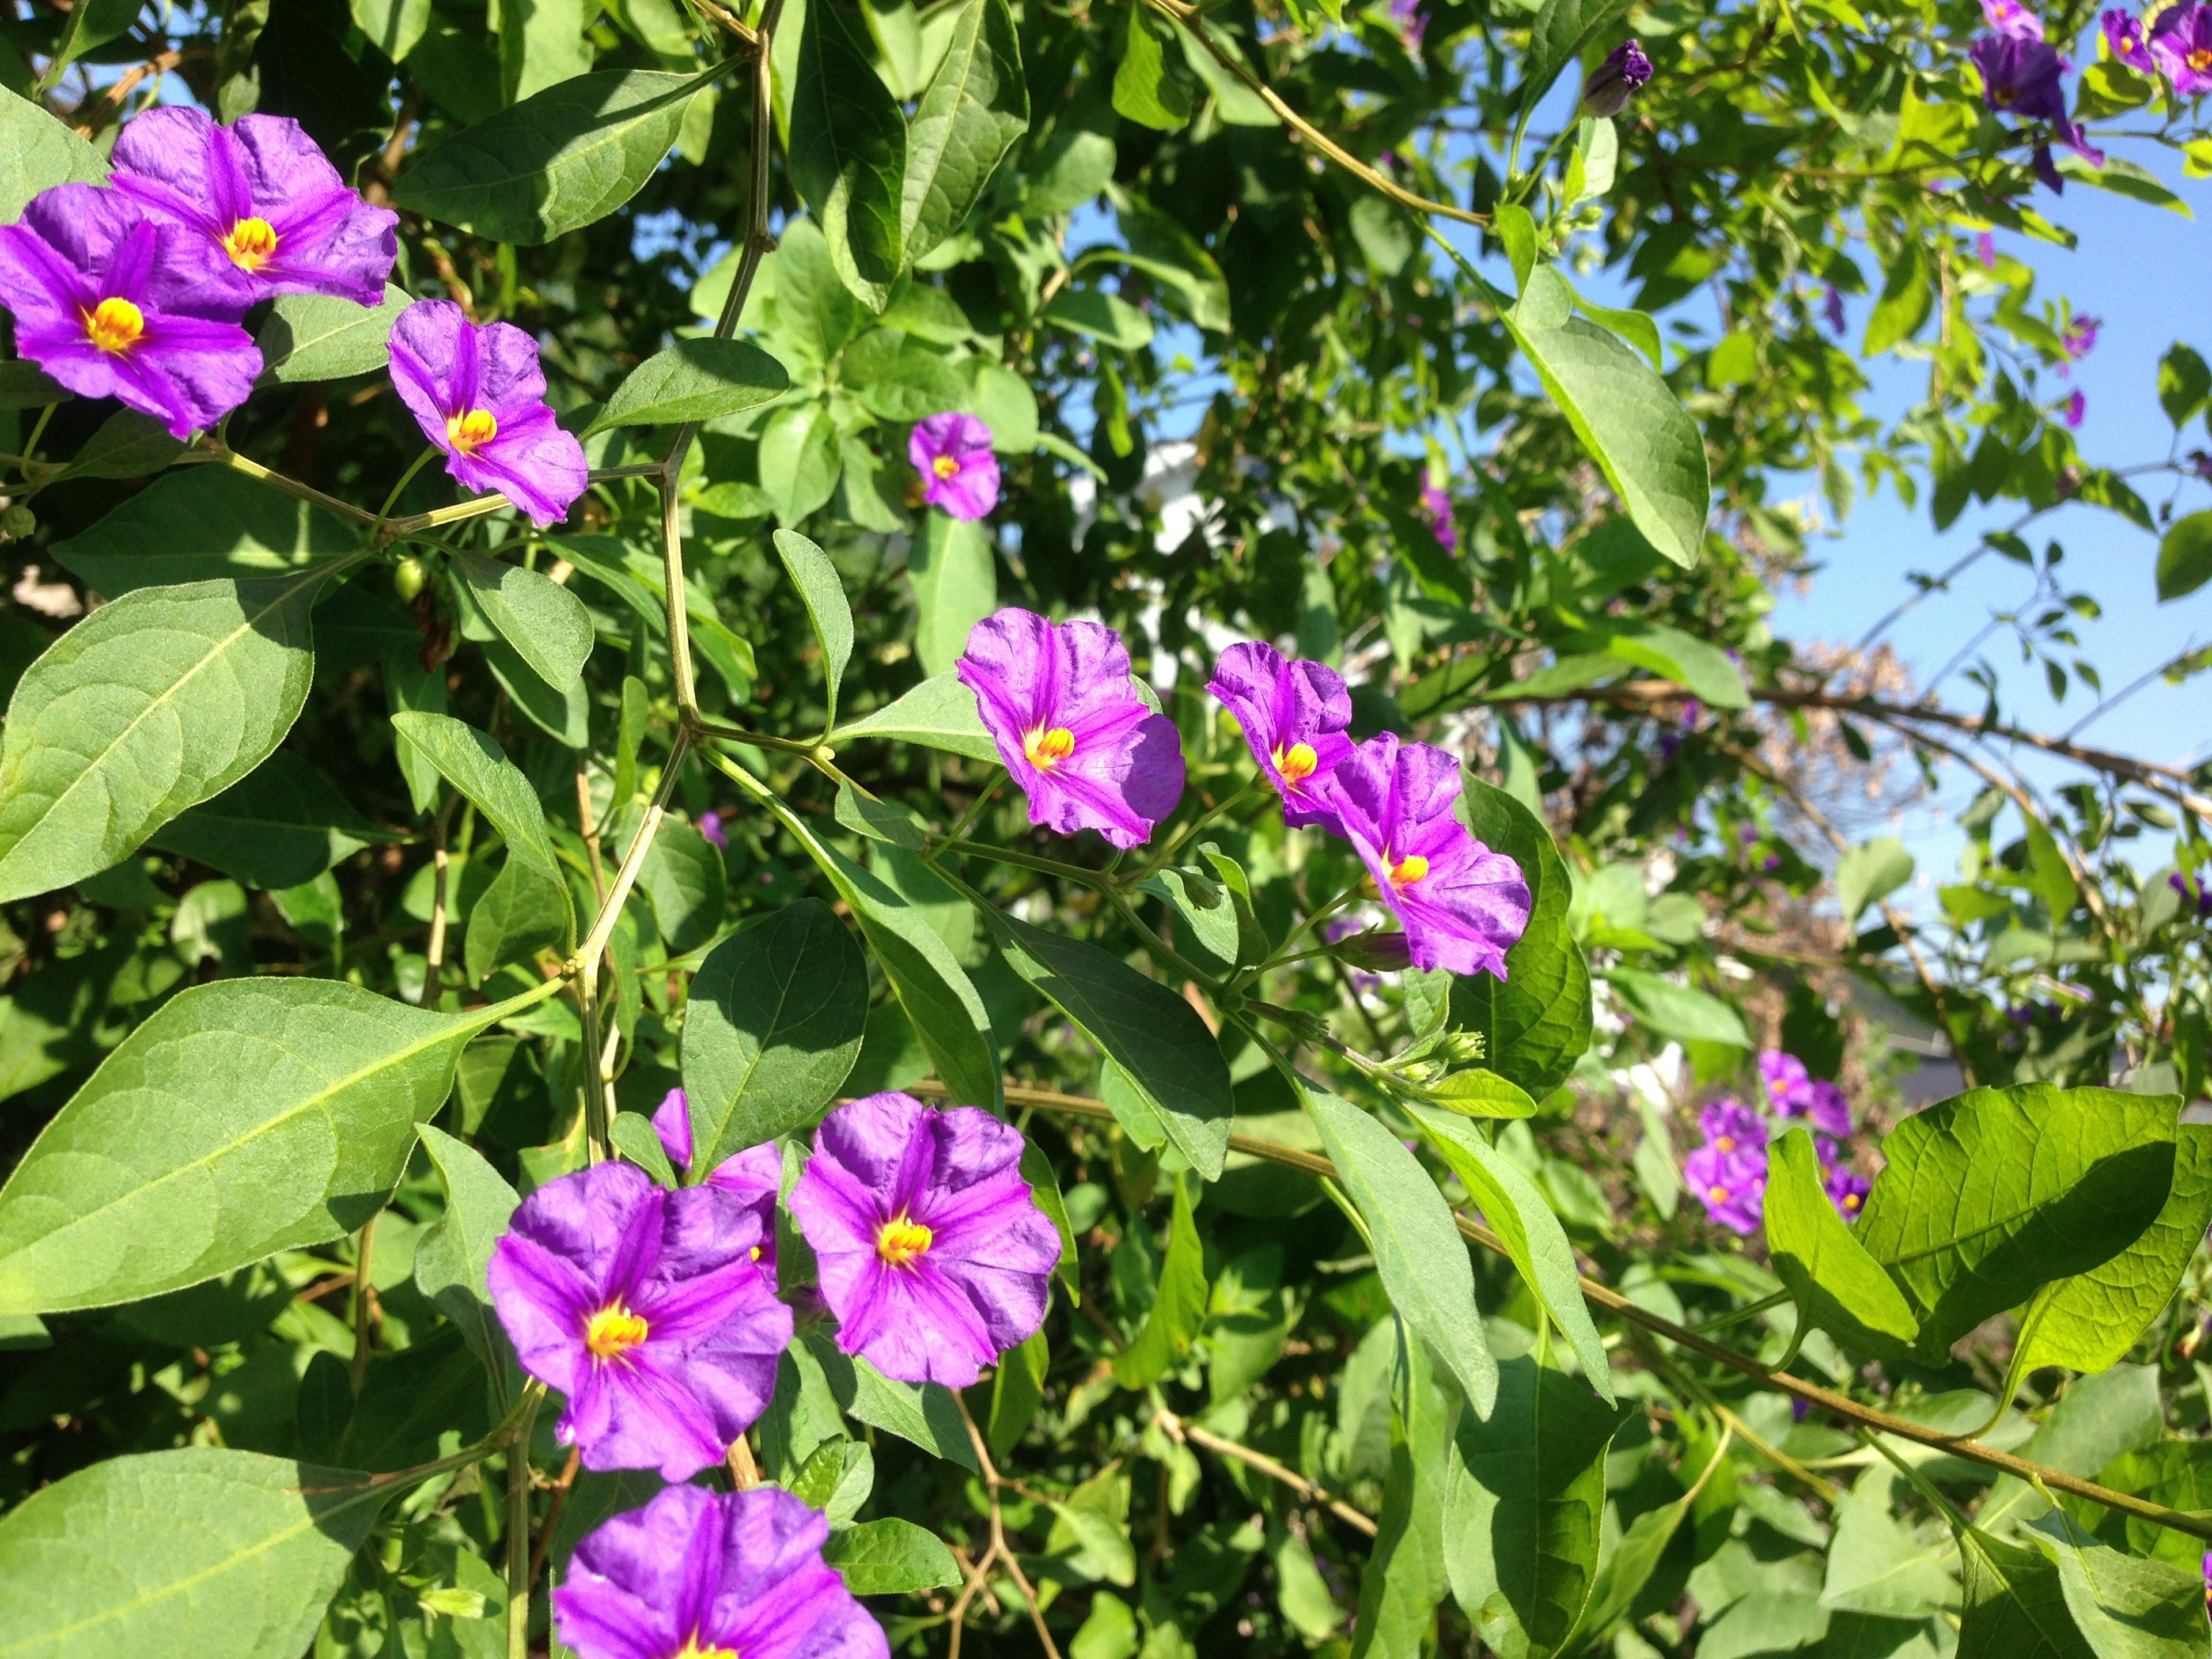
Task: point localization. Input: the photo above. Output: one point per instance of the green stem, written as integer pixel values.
(384, 512)
(975, 809)
(1035, 861)
(1159, 859)
(518, 1528)
(38, 430)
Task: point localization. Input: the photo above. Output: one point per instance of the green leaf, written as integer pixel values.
(687, 882)
(1524, 1500)
(823, 594)
(562, 159)
(939, 714)
(1879, 1566)
(897, 378)
(1987, 1197)
(524, 911)
(1697, 666)
(480, 769)
(1536, 1024)
(2185, 557)
(633, 1135)
(2125, 1608)
(1517, 1213)
(548, 626)
(1207, 918)
(1160, 247)
(26, 386)
(202, 524)
(890, 1556)
(922, 1413)
(453, 1252)
(1178, 1308)
(1838, 1287)
(128, 444)
(244, 1117)
(975, 108)
(1418, 1247)
(1649, 450)
(1908, 297)
(1147, 89)
(2184, 383)
(1044, 1187)
(1405, 1577)
(774, 1026)
(1677, 1011)
(38, 151)
(1157, 1038)
(151, 704)
(394, 28)
(1091, 1531)
(1624, 1573)
(320, 337)
(1102, 316)
(1016, 1391)
(848, 151)
(2089, 1322)
(697, 380)
(1871, 871)
(221, 1554)
(879, 820)
(1479, 1093)
(799, 460)
(956, 586)
(837, 1480)
(2015, 1604)
(280, 826)
(1562, 32)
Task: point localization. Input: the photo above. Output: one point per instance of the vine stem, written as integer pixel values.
(364, 1255)
(519, 1575)
(1867, 1416)
(1179, 1430)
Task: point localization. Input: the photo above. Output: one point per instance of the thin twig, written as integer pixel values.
(991, 1481)
(1180, 1429)
(434, 953)
(559, 1501)
(364, 1256)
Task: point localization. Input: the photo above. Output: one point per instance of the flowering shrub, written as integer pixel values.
(961, 939)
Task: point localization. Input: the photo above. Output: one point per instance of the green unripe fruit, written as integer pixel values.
(17, 522)
(409, 577)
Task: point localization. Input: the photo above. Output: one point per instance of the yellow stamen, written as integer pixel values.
(756, 1254)
(613, 1331)
(115, 325)
(2200, 60)
(1046, 749)
(2003, 97)
(695, 1648)
(472, 429)
(1296, 764)
(945, 466)
(1851, 1200)
(1718, 1195)
(1408, 870)
(251, 244)
(899, 1241)
(1726, 1143)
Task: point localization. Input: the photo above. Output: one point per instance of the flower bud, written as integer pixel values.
(1617, 80)
(1464, 1048)
(17, 522)
(408, 578)
(1375, 951)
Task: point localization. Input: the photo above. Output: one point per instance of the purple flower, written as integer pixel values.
(2076, 406)
(2010, 18)
(1057, 700)
(710, 1575)
(1408, 16)
(1729, 1126)
(2194, 890)
(755, 1175)
(934, 1256)
(1827, 1108)
(646, 1309)
(1786, 1081)
(113, 304)
(1835, 310)
(1985, 249)
(1463, 906)
(1732, 1186)
(479, 395)
(2181, 44)
(2124, 36)
(1847, 1190)
(1617, 80)
(267, 200)
(2079, 338)
(710, 826)
(1437, 514)
(1293, 716)
(2020, 76)
(959, 473)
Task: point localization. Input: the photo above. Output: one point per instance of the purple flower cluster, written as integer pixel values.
(137, 291)
(1727, 1172)
(1437, 514)
(2194, 891)
(2020, 76)
(2179, 46)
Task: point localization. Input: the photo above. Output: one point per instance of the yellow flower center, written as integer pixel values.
(899, 1240)
(2003, 97)
(1851, 1200)
(945, 466)
(1046, 749)
(695, 1648)
(115, 325)
(2201, 59)
(1726, 1143)
(613, 1331)
(472, 429)
(251, 244)
(1297, 762)
(1718, 1195)
(1408, 870)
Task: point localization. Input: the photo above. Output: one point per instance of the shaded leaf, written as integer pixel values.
(1838, 1287)
(696, 379)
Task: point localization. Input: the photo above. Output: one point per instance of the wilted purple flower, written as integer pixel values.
(2079, 338)
(2009, 17)
(1463, 906)
(1057, 700)
(2076, 406)
(1293, 715)
(2200, 463)
(712, 1575)
(754, 1176)
(2123, 34)
(1847, 1190)
(1827, 1108)
(934, 1256)
(959, 473)
(1985, 249)
(267, 200)
(1408, 16)
(1834, 305)
(1732, 1186)
(113, 304)
(710, 827)
(1437, 514)
(2181, 44)
(646, 1309)
(1786, 1081)
(479, 395)
(1617, 80)
(1729, 1126)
